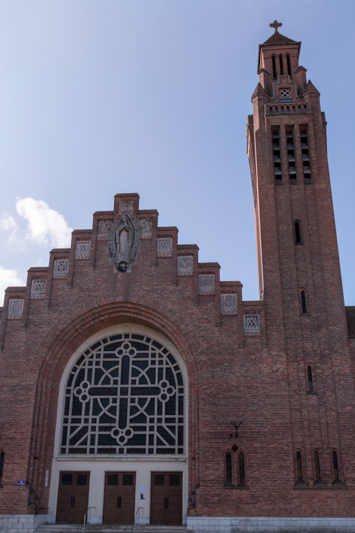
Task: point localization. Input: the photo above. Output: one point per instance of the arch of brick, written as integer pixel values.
(53, 354)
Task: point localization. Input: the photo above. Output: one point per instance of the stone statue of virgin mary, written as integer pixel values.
(122, 245)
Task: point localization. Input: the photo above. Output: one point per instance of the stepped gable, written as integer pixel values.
(125, 250)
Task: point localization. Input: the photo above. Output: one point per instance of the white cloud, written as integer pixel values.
(44, 224)
(8, 277)
(7, 222)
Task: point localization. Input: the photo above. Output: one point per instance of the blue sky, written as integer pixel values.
(100, 97)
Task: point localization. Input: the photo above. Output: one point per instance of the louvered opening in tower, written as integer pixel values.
(276, 153)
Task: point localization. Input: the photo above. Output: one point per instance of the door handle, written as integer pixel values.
(119, 501)
(167, 503)
(72, 501)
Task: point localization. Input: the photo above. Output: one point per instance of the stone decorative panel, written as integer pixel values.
(82, 250)
(125, 207)
(146, 226)
(38, 288)
(61, 268)
(103, 229)
(285, 93)
(229, 304)
(165, 247)
(185, 265)
(252, 324)
(15, 309)
(206, 284)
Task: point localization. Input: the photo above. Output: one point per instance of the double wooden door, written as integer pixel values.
(166, 498)
(119, 498)
(73, 496)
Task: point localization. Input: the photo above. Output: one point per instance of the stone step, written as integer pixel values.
(102, 528)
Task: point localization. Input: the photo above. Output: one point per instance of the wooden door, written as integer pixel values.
(119, 497)
(166, 498)
(73, 494)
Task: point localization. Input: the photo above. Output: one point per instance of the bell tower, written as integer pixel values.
(297, 252)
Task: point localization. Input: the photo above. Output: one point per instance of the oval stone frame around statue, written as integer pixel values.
(124, 242)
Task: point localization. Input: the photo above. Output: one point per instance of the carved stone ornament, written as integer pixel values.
(252, 325)
(103, 228)
(146, 225)
(82, 250)
(124, 242)
(185, 265)
(229, 304)
(165, 247)
(38, 288)
(206, 284)
(15, 309)
(61, 268)
(125, 207)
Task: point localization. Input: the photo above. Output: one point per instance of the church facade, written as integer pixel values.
(138, 388)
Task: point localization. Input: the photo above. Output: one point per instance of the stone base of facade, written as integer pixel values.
(29, 524)
(275, 525)
(23, 523)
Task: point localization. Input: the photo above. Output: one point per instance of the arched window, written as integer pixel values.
(281, 65)
(288, 65)
(336, 466)
(2, 461)
(229, 480)
(317, 465)
(303, 302)
(274, 67)
(241, 469)
(298, 239)
(124, 396)
(310, 378)
(299, 467)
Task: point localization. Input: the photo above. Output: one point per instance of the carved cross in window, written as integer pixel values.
(275, 25)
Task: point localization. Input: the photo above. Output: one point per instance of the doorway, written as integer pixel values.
(73, 495)
(166, 498)
(119, 498)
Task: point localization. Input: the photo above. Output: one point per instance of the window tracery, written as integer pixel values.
(125, 396)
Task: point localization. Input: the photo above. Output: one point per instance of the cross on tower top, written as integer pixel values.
(275, 25)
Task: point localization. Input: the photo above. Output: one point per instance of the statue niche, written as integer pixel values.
(123, 243)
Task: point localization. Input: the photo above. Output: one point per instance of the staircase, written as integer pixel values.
(98, 528)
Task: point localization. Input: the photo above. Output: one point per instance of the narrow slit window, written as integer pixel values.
(288, 65)
(303, 301)
(299, 467)
(336, 466)
(310, 378)
(317, 465)
(241, 470)
(2, 460)
(228, 469)
(281, 65)
(297, 233)
(274, 67)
